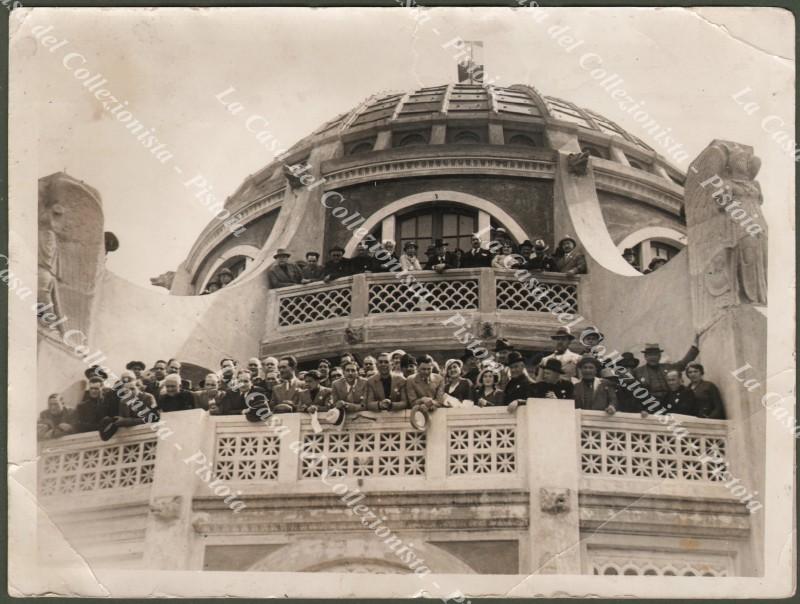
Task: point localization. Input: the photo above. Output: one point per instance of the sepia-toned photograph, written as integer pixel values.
(408, 301)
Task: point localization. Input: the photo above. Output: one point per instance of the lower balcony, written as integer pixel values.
(380, 310)
(481, 491)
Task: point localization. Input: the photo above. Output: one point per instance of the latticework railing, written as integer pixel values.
(315, 306)
(661, 454)
(97, 468)
(396, 297)
(364, 453)
(679, 566)
(247, 457)
(513, 294)
(489, 450)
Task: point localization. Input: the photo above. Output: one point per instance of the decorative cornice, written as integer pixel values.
(249, 212)
(629, 182)
(439, 165)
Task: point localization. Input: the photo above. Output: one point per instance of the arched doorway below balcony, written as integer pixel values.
(448, 215)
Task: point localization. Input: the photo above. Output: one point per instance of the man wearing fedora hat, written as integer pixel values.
(653, 374)
(568, 359)
(592, 392)
(311, 271)
(552, 385)
(441, 259)
(569, 260)
(281, 273)
(540, 260)
(520, 386)
(476, 256)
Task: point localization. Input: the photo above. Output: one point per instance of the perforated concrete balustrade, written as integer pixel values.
(483, 290)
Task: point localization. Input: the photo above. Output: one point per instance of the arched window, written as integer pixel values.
(466, 137)
(522, 139)
(414, 138)
(362, 147)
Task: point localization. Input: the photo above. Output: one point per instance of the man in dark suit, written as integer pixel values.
(336, 266)
(653, 374)
(311, 270)
(386, 391)
(540, 259)
(678, 398)
(520, 386)
(246, 398)
(92, 408)
(476, 257)
(552, 385)
(362, 262)
(174, 397)
(314, 397)
(281, 273)
(592, 392)
(440, 259)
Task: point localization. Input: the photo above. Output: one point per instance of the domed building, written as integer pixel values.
(479, 491)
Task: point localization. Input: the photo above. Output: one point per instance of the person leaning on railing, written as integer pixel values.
(386, 390)
(568, 258)
(350, 392)
(707, 396)
(336, 266)
(455, 386)
(440, 260)
(592, 392)
(408, 259)
(55, 421)
(282, 273)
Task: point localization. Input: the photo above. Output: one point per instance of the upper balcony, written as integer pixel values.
(513, 486)
(380, 310)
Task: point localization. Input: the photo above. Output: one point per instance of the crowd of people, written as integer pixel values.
(393, 381)
(500, 253)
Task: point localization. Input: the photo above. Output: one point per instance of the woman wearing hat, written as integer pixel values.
(488, 393)
(568, 259)
(455, 385)
(408, 259)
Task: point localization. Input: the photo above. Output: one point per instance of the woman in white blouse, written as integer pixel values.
(505, 257)
(408, 259)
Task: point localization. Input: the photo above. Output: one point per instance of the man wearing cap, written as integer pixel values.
(362, 262)
(312, 270)
(409, 261)
(137, 367)
(592, 392)
(386, 391)
(336, 266)
(476, 257)
(568, 359)
(225, 276)
(569, 260)
(281, 273)
(552, 385)
(519, 386)
(540, 260)
(653, 374)
(440, 260)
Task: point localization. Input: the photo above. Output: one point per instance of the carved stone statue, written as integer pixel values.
(163, 280)
(577, 163)
(50, 222)
(727, 232)
(71, 249)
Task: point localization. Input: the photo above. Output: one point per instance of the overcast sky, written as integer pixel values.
(301, 67)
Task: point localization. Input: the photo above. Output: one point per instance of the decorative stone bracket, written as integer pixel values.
(554, 501)
(166, 509)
